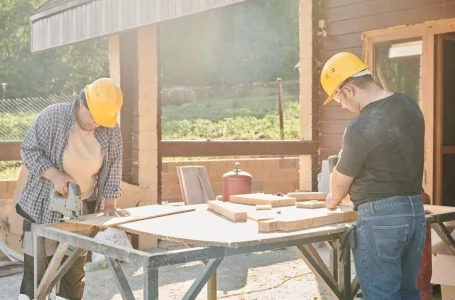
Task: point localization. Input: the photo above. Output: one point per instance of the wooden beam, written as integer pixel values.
(427, 104)
(409, 31)
(236, 148)
(306, 89)
(10, 150)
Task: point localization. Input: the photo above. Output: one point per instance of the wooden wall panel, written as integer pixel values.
(345, 21)
(128, 84)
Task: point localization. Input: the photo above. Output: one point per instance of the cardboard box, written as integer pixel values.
(448, 292)
(443, 266)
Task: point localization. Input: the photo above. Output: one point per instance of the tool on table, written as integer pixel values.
(70, 207)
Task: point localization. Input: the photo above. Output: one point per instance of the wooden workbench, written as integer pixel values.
(212, 238)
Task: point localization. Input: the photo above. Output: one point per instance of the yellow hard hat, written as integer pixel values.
(104, 101)
(337, 69)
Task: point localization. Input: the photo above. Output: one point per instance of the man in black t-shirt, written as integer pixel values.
(381, 167)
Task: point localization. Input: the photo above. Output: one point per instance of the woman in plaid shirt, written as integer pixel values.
(76, 142)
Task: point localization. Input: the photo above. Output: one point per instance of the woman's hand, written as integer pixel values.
(110, 209)
(60, 180)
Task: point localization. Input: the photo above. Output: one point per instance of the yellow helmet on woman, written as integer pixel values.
(104, 101)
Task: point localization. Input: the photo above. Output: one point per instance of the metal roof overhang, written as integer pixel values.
(73, 21)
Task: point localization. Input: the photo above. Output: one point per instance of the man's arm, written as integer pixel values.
(339, 188)
(353, 154)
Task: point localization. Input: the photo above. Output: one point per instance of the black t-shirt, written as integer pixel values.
(383, 149)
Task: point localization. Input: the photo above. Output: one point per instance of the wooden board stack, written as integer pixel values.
(283, 214)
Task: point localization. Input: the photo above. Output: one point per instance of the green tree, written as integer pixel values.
(55, 71)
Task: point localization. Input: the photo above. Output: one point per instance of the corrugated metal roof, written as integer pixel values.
(63, 22)
(50, 4)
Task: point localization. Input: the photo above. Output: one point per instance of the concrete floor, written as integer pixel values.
(267, 275)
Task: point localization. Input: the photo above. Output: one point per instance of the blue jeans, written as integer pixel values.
(390, 239)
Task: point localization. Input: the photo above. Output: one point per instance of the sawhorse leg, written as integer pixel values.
(48, 275)
(338, 283)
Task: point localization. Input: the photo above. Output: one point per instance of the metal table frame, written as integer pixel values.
(337, 279)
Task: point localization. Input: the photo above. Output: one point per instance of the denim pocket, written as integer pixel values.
(423, 237)
(390, 240)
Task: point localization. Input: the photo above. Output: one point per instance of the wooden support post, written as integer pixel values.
(306, 89)
(146, 120)
(114, 61)
(39, 260)
(47, 280)
(212, 287)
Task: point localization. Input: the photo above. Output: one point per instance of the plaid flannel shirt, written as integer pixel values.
(43, 148)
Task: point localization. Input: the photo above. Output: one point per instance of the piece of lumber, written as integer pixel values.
(305, 219)
(308, 195)
(15, 221)
(11, 268)
(195, 184)
(268, 226)
(263, 199)
(264, 207)
(228, 210)
(10, 253)
(310, 204)
(137, 213)
(261, 215)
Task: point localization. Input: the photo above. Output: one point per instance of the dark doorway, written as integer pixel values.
(446, 86)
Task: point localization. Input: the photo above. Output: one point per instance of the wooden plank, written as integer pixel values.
(264, 207)
(333, 126)
(228, 210)
(195, 184)
(392, 18)
(331, 140)
(11, 268)
(310, 204)
(438, 126)
(262, 215)
(335, 112)
(304, 219)
(235, 148)
(259, 199)
(336, 42)
(372, 8)
(10, 150)
(10, 253)
(339, 3)
(308, 195)
(137, 213)
(326, 152)
(428, 109)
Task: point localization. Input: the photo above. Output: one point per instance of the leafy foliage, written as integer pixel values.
(56, 71)
(250, 42)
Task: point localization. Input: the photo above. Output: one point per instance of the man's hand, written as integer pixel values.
(59, 179)
(329, 203)
(110, 209)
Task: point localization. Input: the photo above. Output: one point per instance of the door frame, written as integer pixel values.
(431, 97)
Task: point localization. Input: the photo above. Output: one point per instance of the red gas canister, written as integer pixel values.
(236, 182)
(424, 278)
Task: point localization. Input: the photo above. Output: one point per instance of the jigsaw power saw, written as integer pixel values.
(71, 207)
